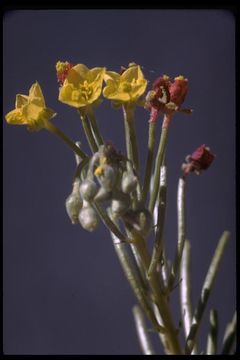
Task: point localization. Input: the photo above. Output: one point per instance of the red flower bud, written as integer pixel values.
(178, 90)
(166, 96)
(200, 160)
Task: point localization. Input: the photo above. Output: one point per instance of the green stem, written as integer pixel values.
(130, 134)
(185, 290)
(95, 130)
(158, 162)
(109, 223)
(170, 338)
(229, 336)
(142, 332)
(150, 153)
(88, 132)
(213, 333)
(134, 279)
(158, 243)
(56, 131)
(181, 231)
(206, 290)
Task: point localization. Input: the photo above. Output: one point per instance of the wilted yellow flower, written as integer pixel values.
(30, 110)
(82, 86)
(126, 87)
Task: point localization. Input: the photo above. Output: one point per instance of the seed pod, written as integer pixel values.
(73, 205)
(129, 182)
(88, 217)
(88, 189)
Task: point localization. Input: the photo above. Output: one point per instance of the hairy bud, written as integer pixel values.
(88, 189)
(88, 217)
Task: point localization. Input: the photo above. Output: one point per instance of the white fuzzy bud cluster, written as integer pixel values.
(108, 180)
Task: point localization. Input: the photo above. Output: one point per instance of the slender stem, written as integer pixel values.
(109, 223)
(185, 290)
(149, 162)
(181, 231)
(131, 272)
(77, 157)
(229, 336)
(213, 333)
(158, 244)
(130, 134)
(206, 289)
(80, 168)
(158, 163)
(95, 130)
(170, 339)
(56, 131)
(165, 269)
(144, 339)
(88, 132)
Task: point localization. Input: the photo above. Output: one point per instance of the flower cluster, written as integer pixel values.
(107, 186)
(166, 96)
(108, 179)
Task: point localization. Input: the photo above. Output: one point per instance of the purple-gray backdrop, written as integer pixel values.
(64, 290)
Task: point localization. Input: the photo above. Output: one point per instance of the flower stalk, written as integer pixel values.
(181, 231)
(158, 243)
(59, 133)
(159, 161)
(149, 162)
(185, 290)
(130, 135)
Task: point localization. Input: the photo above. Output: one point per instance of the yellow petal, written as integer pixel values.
(21, 100)
(133, 72)
(111, 75)
(35, 92)
(31, 112)
(96, 73)
(77, 73)
(66, 96)
(15, 117)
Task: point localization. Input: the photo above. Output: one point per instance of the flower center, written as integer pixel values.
(86, 90)
(126, 87)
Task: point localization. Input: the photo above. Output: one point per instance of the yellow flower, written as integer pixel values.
(127, 87)
(30, 110)
(82, 87)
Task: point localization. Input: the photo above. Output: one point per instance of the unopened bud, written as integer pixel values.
(129, 182)
(88, 217)
(107, 176)
(88, 189)
(120, 205)
(73, 205)
(102, 195)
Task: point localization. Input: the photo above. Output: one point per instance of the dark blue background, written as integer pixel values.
(64, 290)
